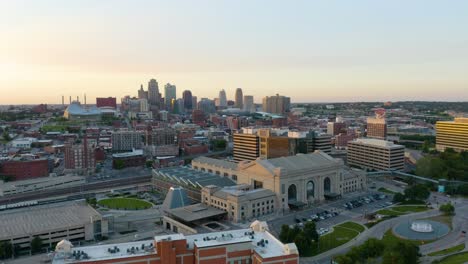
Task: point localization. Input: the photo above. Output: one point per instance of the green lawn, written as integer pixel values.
(354, 226)
(341, 234)
(125, 203)
(409, 208)
(385, 190)
(455, 259)
(448, 250)
(389, 212)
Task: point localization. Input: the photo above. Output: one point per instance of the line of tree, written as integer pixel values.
(447, 209)
(448, 165)
(416, 194)
(303, 238)
(401, 252)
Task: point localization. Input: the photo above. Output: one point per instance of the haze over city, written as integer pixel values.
(312, 51)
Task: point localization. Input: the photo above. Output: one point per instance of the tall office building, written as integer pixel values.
(80, 157)
(194, 102)
(222, 98)
(276, 104)
(239, 99)
(249, 105)
(452, 134)
(377, 128)
(126, 140)
(187, 97)
(206, 105)
(376, 154)
(246, 145)
(153, 93)
(169, 95)
(142, 94)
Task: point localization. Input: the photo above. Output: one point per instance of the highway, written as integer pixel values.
(75, 189)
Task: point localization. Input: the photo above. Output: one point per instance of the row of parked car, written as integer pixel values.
(316, 217)
(364, 200)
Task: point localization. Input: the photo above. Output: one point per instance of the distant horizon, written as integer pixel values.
(311, 51)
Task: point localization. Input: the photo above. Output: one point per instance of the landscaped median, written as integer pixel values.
(448, 250)
(459, 258)
(402, 210)
(121, 203)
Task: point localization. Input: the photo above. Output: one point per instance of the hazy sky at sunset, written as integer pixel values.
(310, 50)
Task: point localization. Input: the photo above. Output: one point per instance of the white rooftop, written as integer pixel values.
(377, 142)
(265, 244)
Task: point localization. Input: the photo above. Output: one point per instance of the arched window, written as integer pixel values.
(292, 193)
(327, 185)
(310, 190)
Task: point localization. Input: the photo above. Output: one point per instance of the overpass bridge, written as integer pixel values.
(443, 182)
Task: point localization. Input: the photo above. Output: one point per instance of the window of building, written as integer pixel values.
(283, 189)
(234, 177)
(258, 184)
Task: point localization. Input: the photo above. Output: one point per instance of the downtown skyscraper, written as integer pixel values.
(169, 95)
(154, 96)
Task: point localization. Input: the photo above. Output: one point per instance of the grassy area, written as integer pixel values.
(341, 234)
(390, 238)
(455, 259)
(448, 250)
(385, 190)
(125, 203)
(354, 226)
(409, 208)
(389, 212)
(386, 217)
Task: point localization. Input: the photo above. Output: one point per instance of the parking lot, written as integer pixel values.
(332, 213)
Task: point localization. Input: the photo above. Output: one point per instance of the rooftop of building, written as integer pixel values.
(36, 181)
(195, 212)
(134, 153)
(242, 192)
(189, 176)
(262, 242)
(216, 162)
(376, 142)
(299, 162)
(44, 218)
(75, 108)
(176, 197)
(457, 120)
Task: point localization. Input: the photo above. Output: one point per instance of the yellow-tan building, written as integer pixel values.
(452, 134)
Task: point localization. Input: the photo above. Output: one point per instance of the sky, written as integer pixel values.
(312, 51)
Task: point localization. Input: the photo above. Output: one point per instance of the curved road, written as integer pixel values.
(376, 231)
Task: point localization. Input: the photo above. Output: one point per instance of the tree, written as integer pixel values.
(6, 250)
(36, 244)
(447, 209)
(149, 163)
(119, 164)
(310, 231)
(284, 234)
(6, 135)
(398, 198)
(401, 252)
(417, 192)
(303, 243)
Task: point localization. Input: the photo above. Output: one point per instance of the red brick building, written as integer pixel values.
(25, 169)
(106, 102)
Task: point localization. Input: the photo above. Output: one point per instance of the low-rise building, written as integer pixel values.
(74, 221)
(376, 154)
(254, 245)
(128, 159)
(241, 202)
(21, 168)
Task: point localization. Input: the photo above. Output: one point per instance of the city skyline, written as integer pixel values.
(311, 52)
